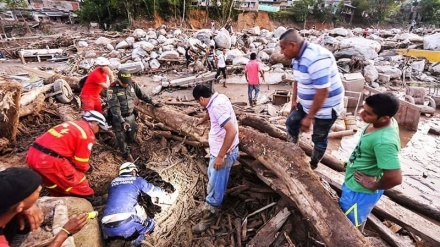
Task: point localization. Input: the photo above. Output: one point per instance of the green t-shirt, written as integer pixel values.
(376, 151)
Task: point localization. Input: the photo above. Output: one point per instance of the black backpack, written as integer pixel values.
(82, 81)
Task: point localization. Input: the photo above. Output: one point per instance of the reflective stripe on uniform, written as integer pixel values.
(68, 189)
(54, 133)
(355, 214)
(81, 159)
(83, 133)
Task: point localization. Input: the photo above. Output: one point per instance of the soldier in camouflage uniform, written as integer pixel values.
(120, 98)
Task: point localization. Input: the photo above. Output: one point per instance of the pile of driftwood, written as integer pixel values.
(284, 168)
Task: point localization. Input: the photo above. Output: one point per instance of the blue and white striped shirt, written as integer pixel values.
(315, 69)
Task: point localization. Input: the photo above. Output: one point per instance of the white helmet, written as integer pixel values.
(127, 168)
(102, 61)
(95, 116)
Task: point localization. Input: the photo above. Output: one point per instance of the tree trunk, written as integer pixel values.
(264, 126)
(10, 94)
(304, 188)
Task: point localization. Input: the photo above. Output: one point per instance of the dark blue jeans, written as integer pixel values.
(321, 127)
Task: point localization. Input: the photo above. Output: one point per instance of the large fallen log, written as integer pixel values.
(264, 126)
(392, 211)
(72, 81)
(34, 107)
(10, 95)
(180, 123)
(30, 96)
(303, 187)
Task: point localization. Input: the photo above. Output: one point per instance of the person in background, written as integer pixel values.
(318, 89)
(120, 97)
(413, 23)
(251, 72)
(210, 59)
(123, 215)
(19, 191)
(212, 27)
(61, 155)
(211, 43)
(99, 79)
(221, 66)
(188, 57)
(223, 146)
(374, 164)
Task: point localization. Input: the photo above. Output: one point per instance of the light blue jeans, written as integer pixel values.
(218, 179)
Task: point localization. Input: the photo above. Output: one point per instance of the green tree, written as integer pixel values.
(376, 11)
(303, 8)
(430, 10)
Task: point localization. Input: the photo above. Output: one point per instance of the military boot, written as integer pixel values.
(315, 158)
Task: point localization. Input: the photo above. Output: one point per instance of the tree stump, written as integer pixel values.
(10, 94)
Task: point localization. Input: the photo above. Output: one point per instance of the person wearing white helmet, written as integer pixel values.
(61, 155)
(123, 216)
(98, 80)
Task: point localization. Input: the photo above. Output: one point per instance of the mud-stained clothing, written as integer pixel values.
(61, 157)
(121, 108)
(123, 216)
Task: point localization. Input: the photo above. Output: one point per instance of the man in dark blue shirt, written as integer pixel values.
(123, 216)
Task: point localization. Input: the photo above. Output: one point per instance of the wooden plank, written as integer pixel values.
(267, 234)
(386, 234)
(392, 211)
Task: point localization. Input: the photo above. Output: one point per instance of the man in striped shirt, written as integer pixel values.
(317, 94)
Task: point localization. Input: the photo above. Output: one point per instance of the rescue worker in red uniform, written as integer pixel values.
(61, 155)
(99, 79)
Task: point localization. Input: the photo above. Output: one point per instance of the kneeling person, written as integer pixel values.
(123, 216)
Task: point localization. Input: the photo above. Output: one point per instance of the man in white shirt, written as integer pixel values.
(221, 66)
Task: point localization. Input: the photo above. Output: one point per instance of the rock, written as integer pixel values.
(122, 45)
(255, 30)
(418, 65)
(278, 70)
(409, 36)
(231, 54)
(278, 65)
(425, 78)
(383, 78)
(154, 64)
(240, 61)
(90, 54)
(169, 55)
(103, 41)
(156, 89)
(394, 73)
(263, 56)
(114, 63)
(396, 30)
(153, 42)
(138, 33)
(362, 52)
(168, 48)
(339, 32)
(272, 110)
(279, 31)
(161, 39)
(204, 35)
(329, 40)
(277, 57)
(82, 43)
(192, 43)
(154, 55)
(151, 34)
(269, 51)
(109, 47)
(162, 32)
(261, 40)
(432, 42)
(375, 85)
(358, 30)
(138, 53)
(233, 40)
(360, 42)
(114, 53)
(177, 32)
(435, 69)
(133, 67)
(223, 40)
(181, 50)
(370, 73)
(147, 46)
